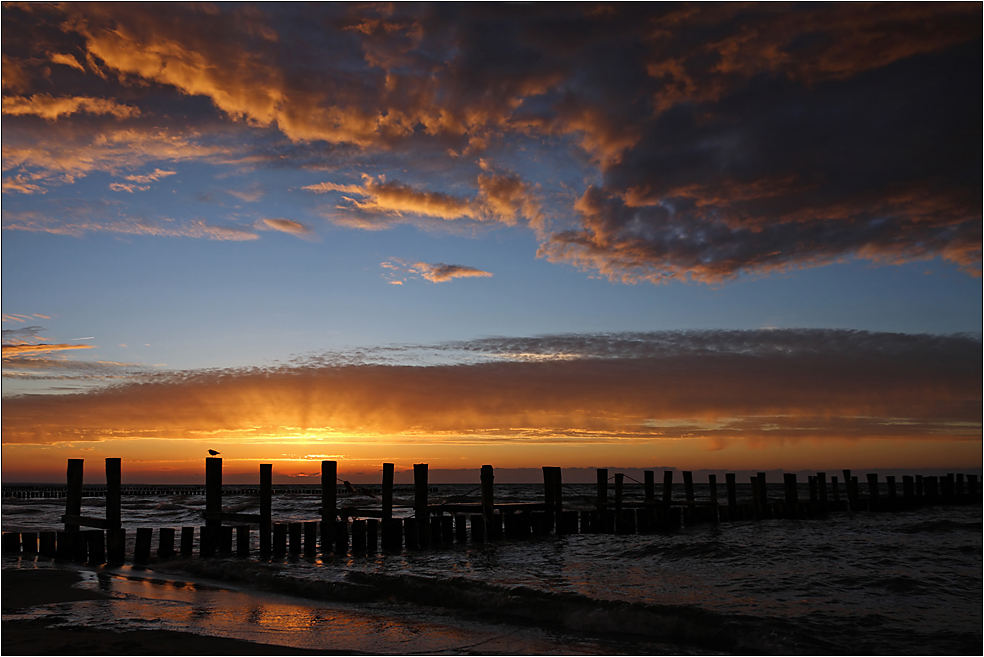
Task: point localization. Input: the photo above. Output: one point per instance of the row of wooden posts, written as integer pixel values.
(366, 530)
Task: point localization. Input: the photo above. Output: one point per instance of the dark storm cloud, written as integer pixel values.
(729, 139)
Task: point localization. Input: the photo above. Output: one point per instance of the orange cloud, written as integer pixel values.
(67, 60)
(51, 108)
(501, 197)
(61, 154)
(11, 351)
(288, 226)
(154, 176)
(196, 228)
(441, 272)
(763, 385)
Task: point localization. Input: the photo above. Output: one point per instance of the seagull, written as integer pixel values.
(213, 452)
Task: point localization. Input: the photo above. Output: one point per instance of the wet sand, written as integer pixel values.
(23, 589)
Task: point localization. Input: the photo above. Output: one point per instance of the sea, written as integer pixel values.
(908, 582)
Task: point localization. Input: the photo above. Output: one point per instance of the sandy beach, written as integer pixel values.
(24, 589)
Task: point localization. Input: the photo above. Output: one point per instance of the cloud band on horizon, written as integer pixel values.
(767, 385)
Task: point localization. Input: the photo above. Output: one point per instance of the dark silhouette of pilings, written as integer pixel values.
(442, 525)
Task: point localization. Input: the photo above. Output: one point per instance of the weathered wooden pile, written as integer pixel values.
(367, 530)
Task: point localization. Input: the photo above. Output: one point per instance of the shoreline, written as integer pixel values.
(24, 589)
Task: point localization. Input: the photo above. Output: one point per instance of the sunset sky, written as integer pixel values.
(716, 237)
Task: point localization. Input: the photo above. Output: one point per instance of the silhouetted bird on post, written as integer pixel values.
(213, 452)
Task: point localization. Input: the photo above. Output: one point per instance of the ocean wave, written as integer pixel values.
(942, 526)
(705, 550)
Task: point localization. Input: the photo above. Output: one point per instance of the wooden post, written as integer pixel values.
(311, 538)
(392, 535)
(358, 536)
(712, 491)
(95, 545)
(764, 496)
(602, 490)
(329, 493)
(558, 484)
(213, 492)
(225, 539)
(972, 486)
(165, 542)
(650, 486)
(115, 546)
(411, 535)
(266, 508)
(619, 480)
(834, 492)
(47, 542)
(478, 525)
(242, 541)
(372, 533)
(729, 479)
(294, 532)
(65, 545)
(847, 486)
(29, 541)
(420, 503)
(114, 494)
(488, 500)
(667, 486)
(757, 498)
(890, 483)
(11, 542)
(387, 491)
(822, 491)
(908, 490)
(436, 524)
(960, 485)
(873, 490)
(141, 550)
(688, 487)
(792, 495)
(919, 487)
(187, 541)
(548, 488)
(279, 539)
(73, 493)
